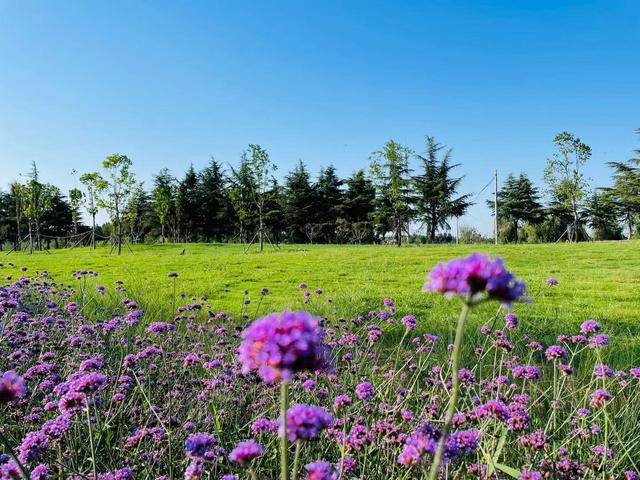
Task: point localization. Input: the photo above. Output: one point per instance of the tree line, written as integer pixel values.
(401, 196)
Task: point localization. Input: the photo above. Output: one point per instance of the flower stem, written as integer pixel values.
(296, 460)
(284, 447)
(453, 400)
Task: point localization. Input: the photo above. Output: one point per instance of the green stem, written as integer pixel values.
(296, 460)
(9, 451)
(284, 447)
(93, 450)
(453, 400)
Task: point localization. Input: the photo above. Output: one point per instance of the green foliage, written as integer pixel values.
(567, 185)
(518, 202)
(436, 190)
(391, 173)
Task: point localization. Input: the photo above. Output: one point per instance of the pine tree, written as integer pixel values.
(625, 192)
(189, 206)
(299, 196)
(518, 202)
(329, 196)
(436, 190)
(216, 211)
(358, 207)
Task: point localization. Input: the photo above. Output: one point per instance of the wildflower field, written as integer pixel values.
(321, 362)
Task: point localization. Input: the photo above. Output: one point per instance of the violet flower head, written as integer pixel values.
(305, 422)
(245, 452)
(473, 276)
(11, 387)
(281, 344)
(199, 445)
(364, 391)
(552, 282)
(320, 470)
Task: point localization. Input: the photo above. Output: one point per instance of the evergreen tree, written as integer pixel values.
(299, 197)
(518, 202)
(625, 192)
(189, 206)
(329, 196)
(602, 214)
(58, 220)
(436, 190)
(358, 207)
(390, 169)
(216, 211)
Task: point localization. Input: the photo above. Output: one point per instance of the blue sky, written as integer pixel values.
(171, 83)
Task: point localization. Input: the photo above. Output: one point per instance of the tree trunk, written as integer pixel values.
(630, 227)
(93, 231)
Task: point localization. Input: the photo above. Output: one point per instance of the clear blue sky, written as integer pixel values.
(171, 83)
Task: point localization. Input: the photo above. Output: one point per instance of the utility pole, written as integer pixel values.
(495, 206)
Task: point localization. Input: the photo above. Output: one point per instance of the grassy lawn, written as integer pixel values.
(597, 280)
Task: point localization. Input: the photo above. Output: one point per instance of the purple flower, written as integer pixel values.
(590, 326)
(552, 282)
(72, 402)
(364, 391)
(245, 452)
(599, 398)
(341, 401)
(409, 321)
(555, 352)
(173, 275)
(41, 472)
(200, 445)
(511, 321)
(305, 422)
(11, 387)
(281, 344)
(472, 276)
(320, 470)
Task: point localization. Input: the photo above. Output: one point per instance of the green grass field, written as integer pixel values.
(597, 280)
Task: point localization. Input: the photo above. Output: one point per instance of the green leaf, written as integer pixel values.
(512, 472)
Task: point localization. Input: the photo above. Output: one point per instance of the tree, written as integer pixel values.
(75, 200)
(390, 169)
(240, 198)
(95, 185)
(299, 199)
(358, 206)
(602, 213)
(625, 192)
(37, 200)
(436, 190)
(163, 200)
(137, 214)
(260, 169)
(57, 220)
(565, 179)
(518, 201)
(328, 190)
(215, 208)
(120, 184)
(17, 195)
(188, 205)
